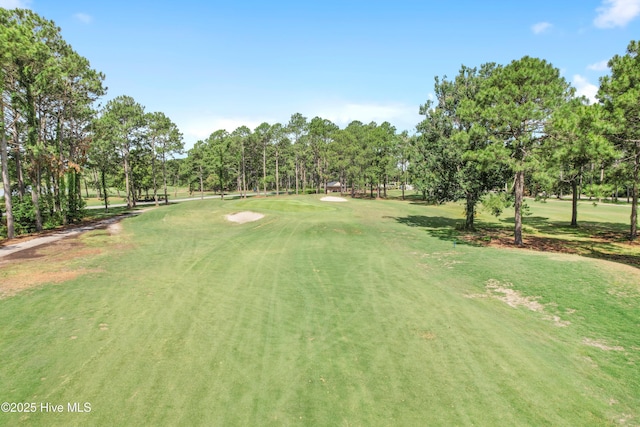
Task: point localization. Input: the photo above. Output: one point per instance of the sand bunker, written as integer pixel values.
(242, 217)
(333, 199)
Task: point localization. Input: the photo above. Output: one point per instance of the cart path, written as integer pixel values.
(10, 247)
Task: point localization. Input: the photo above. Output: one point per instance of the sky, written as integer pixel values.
(211, 65)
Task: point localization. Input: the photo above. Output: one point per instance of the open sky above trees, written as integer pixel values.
(219, 65)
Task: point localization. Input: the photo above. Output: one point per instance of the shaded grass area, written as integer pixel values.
(601, 234)
(321, 314)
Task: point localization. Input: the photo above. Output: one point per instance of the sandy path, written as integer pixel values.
(16, 245)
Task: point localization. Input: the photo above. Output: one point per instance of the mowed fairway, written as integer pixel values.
(332, 314)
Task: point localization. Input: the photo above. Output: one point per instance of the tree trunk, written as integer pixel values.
(201, 184)
(470, 210)
(98, 187)
(126, 178)
(35, 195)
(277, 176)
(264, 169)
(244, 175)
(86, 188)
(384, 185)
(519, 195)
(580, 186)
(633, 233)
(405, 180)
(153, 172)
(103, 179)
(19, 172)
(58, 184)
(164, 179)
(297, 176)
(574, 203)
(5, 177)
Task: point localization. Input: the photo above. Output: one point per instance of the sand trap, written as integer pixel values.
(242, 217)
(333, 199)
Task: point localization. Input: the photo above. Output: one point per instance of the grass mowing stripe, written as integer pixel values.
(319, 315)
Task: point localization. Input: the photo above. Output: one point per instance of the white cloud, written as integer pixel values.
(196, 126)
(584, 88)
(399, 115)
(15, 4)
(541, 27)
(598, 66)
(616, 13)
(83, 17)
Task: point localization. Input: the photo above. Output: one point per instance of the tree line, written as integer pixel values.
(52, 133)
(495, 133)
(492, 135)
(302, 155)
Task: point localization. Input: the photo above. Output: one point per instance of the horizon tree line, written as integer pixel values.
(493, 135)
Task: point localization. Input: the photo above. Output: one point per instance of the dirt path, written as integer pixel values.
(13, 246)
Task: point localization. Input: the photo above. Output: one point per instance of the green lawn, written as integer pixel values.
(174, 193)
(334, 314)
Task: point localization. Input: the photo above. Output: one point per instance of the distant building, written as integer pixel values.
(334, 186)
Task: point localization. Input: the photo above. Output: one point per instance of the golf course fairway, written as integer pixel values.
(363, 313)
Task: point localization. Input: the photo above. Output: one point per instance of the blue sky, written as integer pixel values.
(213, 65)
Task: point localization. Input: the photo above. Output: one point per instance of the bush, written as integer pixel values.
(24, 215)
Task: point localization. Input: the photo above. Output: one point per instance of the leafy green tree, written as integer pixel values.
(358, 155)
(576, 141)
(164, 140)
(102, 154)
(241, 138)
(451, 143)
(124, 121)
(403, 147)
(281, 144)
(263, 138)
(49, 90)
(222, 158)
(5, 63)
(433, 159)
(515, 103)
(620, 95)
(320, 134)
(382, 139)
(298, 128)
(199, 163)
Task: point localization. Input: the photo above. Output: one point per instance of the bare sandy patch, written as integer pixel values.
(114, 228)
(601, 345)
(512, 297)
(30, 280)
(504, 293)
(242, 217)
(53, 263)
(333, 199)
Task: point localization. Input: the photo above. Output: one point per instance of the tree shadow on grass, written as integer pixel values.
(443, 228)
(612, 231)
(599, 240)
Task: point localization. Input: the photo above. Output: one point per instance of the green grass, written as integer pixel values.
(173, 192)
(358, 313)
